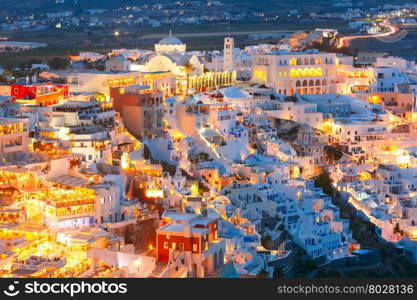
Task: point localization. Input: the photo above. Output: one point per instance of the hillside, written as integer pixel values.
(38, 6)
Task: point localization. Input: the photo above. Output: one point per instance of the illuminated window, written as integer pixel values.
(260, 74)
(305, 73)
(165, 245)
(103, 200)
(195, 248)
(110, 199)
(293, 62)
(173, 245)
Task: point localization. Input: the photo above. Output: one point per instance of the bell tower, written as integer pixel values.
(229, 45)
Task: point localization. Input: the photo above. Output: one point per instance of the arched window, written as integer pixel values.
(299, 62)
(324, 82)
(306, 61)
(304, 83)
(311, 82)
(298, 83)
(318, 61)
(293, 62)
(312, 61)
(318, 83)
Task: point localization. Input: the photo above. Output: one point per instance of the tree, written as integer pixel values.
(58, 63)
(266, 240)
(278, 272)
(397, 228)
(323, 181)
(310, 265)
(290, 99)
(188, 69)
(333, 154)
(262, 274)
(146, 152)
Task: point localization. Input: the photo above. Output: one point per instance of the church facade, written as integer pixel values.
(171, 59)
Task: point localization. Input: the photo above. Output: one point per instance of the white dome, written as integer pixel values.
(170, 44)
(170, 40)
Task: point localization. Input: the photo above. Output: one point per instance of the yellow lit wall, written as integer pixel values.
(306, 72)
(260, 74)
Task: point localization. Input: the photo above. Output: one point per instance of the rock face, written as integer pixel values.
(141, 235)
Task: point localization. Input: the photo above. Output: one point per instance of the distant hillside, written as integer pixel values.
(53, 5)
(37, 6)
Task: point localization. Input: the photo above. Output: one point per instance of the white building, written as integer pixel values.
(308, 72)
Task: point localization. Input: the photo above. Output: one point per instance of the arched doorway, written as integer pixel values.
(215, 262)
(205, 267)
(221, 257)
(210, 265)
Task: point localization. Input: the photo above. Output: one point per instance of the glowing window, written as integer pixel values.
(259, 74)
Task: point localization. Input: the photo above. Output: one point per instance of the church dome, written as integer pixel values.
(170, 40)
(170, 44)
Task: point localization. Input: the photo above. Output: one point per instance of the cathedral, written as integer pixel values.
(170, 59)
